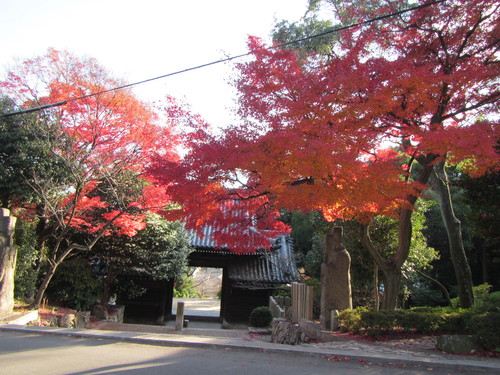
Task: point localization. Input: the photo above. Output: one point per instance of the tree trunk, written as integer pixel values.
(391, 267)
(444, 291)
(43, 287)
(8, 255)
(106, 291)
(392, 279)
(454, 232)
(484, 264)
(48, 277)
(376, 294)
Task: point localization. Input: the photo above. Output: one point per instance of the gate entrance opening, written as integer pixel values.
(202, 288)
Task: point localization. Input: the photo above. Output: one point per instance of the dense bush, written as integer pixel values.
(426, 297)
(74, 285)
(485, 329)
(413, 320)
(489, 303)
(374, 323)
(261, 317)
(350, 320)
(482, 322)
(26, 275)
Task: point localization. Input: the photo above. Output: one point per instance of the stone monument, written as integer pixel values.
(335, 278)
(8, 255)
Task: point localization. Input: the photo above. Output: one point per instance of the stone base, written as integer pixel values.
(76, 320)
(284, 332)
(82, 319)
(314, 331)
(99, 312)
(114, 313)
(456, 344)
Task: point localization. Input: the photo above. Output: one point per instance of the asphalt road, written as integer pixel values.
(24, 354)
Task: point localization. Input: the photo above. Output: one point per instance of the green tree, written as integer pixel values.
(481, 196)
(27, 154)
(308, 230)
(26, 150)
(159, 251)
(28, 261)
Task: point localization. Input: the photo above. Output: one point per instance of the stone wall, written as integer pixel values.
(76, 320)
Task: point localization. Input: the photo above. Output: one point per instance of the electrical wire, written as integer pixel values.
(227, 59)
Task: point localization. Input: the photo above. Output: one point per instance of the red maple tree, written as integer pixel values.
(104, 144)
(342, 134)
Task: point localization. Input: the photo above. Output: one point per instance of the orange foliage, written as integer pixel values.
(340, 135)
(110, 133)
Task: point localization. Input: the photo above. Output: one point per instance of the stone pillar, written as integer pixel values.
(8, 255)
(335, 277)
(179, 316)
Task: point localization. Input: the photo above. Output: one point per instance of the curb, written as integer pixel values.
(191, 341)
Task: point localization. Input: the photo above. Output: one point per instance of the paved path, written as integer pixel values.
(40, 354)
(241, 339)
(198, 307)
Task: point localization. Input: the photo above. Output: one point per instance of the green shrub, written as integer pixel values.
(376, 322)
(26, 274)
(261, 317)
(350, 320)
(424, 320)
(427, 297)
(74, 285)
(483, 326)
(490, 303)
(482, 297)
(440, 309)
(283, 291)
(454, 323)
(485, 329)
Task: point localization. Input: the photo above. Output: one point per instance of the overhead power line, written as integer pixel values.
(227, 59)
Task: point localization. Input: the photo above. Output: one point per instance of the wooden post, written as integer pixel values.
(302, 302)
(309, 303)
(295, 302)
(179, 316)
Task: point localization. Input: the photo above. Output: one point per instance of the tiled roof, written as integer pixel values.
(267, 269)
(263, 269)
(205, 240)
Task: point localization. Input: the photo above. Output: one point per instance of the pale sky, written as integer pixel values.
(137, 40)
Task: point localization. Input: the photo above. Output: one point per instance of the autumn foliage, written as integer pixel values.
(105, 135)
(353, 134)
(102, 140)
(342, 134)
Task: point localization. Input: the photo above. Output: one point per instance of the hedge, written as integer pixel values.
(484, 327)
